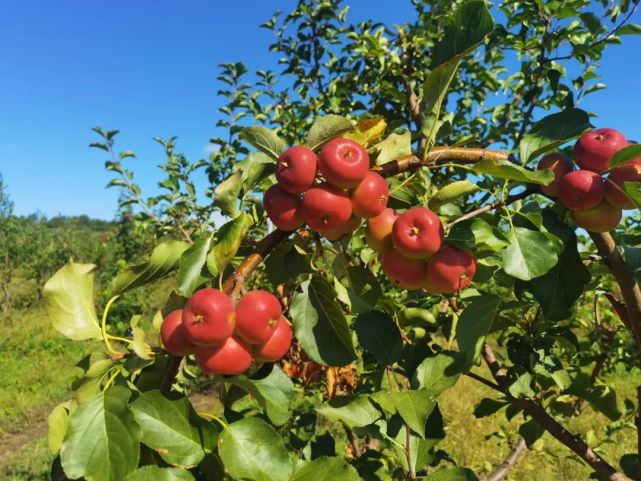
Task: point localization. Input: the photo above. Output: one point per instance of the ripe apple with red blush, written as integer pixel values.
(614, 192)
(601, 218)
(417, 233)
(326, 208)
(348, 227)
(173, 335)
(560, 164)
(595, 148)
(208, 317)
(277, 345)
(296, 169)
(378, 233)
(283, 208)
(369, 198)
(402, 271)
(343, 162)
(450, 270)
(257, 314)
(581, 189)
(231, 357)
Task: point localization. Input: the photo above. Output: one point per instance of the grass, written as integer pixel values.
(37, 368)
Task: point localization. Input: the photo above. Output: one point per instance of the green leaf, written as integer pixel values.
(256, 167)
(413, 406)
(438, 373)
(488, 406)
(558, 290)
(379, 335)
(522, 387)
(478, 235)
(393, 147)
(601, 398)
(264, 140)
(320, 325)
(325, 469)
(355, 411)
(629, 29)
(633, 190)
(156, 473)
(69, 298)
(252, 450)
(552, 131)
(191, 265)
(102, 440)
(165, 258)
(368, 131)
(362, 288)
(325, 129)
(453, 191)
(503, 169)
(435, 91)
(474, 324)
(530, 253)
(625, 154)
(273, 392)
(226, 194)
(58, 423)
(467, 27)
(530, 431)
(453, 474)
(228, 240)
(173, 429)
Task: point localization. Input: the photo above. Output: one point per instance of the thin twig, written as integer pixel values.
(510, 461)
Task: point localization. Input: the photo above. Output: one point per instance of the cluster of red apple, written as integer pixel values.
(333, 206)
(595, 202)
(413, 253)
(226, 338)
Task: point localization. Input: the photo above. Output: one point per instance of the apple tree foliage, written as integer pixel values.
(549, 311)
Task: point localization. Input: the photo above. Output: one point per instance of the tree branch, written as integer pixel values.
(510, 461)
(631, 315)
(494, 205)
(547, 422)
(440, 154)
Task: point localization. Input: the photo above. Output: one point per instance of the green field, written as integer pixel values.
(37, 368)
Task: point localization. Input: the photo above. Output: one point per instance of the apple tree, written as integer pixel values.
(390, 226)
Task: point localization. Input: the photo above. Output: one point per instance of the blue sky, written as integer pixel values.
(148, 69)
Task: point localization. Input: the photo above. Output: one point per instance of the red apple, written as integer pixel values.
(296, 169)
(326, 208)
(173, 335)
(277, 345)
(581, 189)
(232, 357)
(378, 233)
(283, 208)
(417, 233)
(402, 271)
(343, 162)
(348, 227)
(257, 314)
(450, 270)
(369, 198)
(594, 149)
(208, 317)
(560, 164)
(602, 218)
(614, 192)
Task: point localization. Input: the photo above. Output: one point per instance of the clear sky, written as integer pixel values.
(147, 68)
